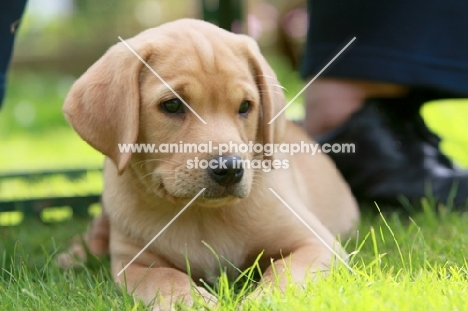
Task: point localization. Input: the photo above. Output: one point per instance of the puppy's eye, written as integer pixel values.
(244, 108)
(174, 105)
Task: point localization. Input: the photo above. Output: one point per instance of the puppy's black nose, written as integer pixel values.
(226, 170)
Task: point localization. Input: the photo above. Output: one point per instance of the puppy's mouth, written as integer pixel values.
(224, 196)
(212, 201)
(211, 196)
(215, 192)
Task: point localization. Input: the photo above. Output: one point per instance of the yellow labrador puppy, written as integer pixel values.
(228, 84)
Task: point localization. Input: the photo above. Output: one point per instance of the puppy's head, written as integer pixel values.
(222, 77)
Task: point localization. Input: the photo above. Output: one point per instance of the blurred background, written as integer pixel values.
(59, 39)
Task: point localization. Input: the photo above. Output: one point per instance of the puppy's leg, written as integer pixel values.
(296, 267)
(96, 240)
(303, 264)
(97, 237)
(163, 286)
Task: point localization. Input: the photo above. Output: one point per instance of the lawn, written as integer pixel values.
(400, 262)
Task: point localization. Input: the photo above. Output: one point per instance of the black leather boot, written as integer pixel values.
(397, 158)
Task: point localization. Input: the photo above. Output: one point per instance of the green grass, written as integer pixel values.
(406, 264)
(416, 263)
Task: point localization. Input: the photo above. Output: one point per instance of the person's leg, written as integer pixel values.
(10, 16)
(394, 155)
(330, 102)
(417, 44)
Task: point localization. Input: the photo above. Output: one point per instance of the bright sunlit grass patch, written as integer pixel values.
(53, 214)
(59, 148)
(11, 218)
(448, 118)
(58, 185)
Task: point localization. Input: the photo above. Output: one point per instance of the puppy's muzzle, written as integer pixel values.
(226, 170)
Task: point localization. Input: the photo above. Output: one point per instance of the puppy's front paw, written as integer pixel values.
(210, 299)
(259, 293)
(178, 303)
(74, 257)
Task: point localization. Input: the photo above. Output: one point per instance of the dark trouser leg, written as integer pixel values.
(10, 15)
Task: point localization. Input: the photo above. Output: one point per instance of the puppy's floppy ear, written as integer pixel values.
(271, 94)
(103, 104)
